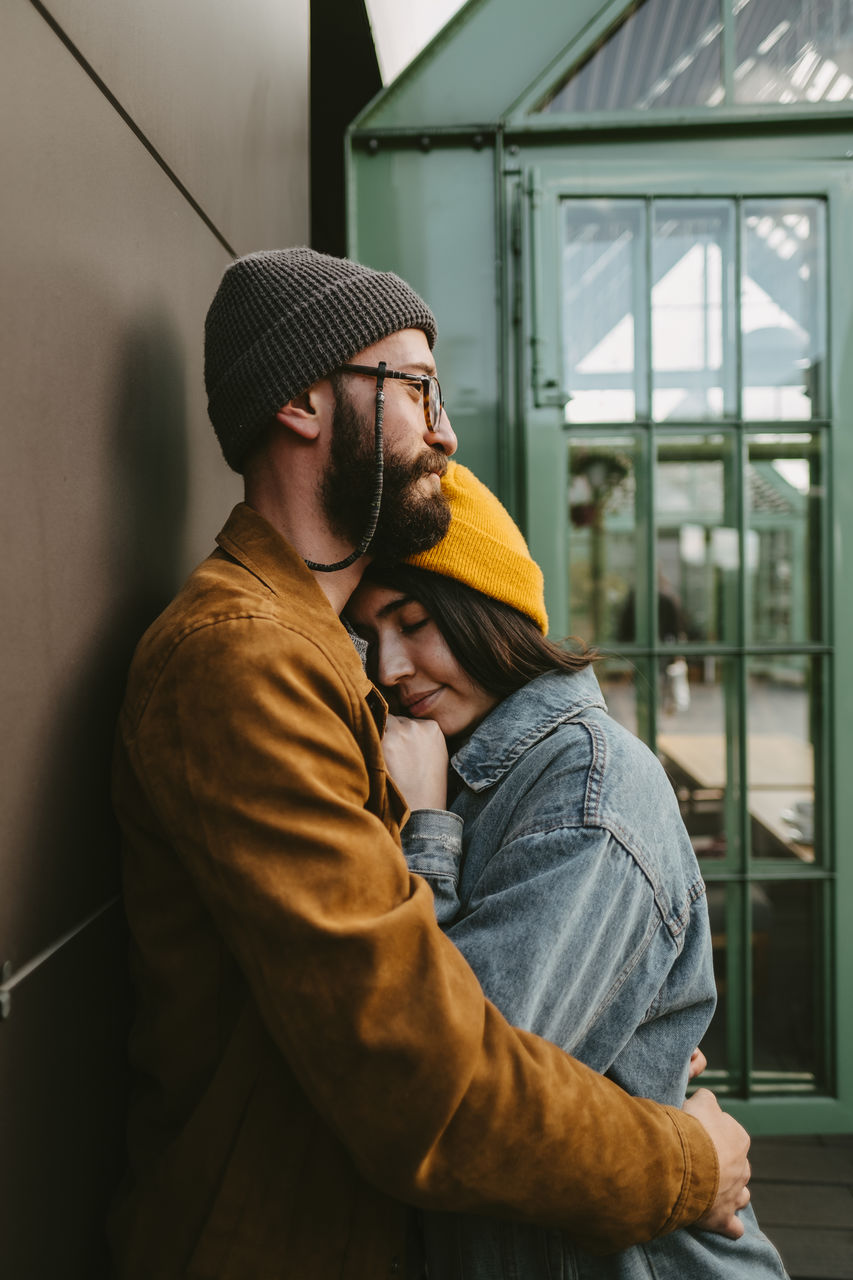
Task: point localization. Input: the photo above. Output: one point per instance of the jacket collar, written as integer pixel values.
(522, 720)
(252, 541)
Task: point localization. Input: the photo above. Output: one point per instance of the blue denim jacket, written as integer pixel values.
(571, 887)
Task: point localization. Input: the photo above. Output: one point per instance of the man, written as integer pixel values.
(310, 1053)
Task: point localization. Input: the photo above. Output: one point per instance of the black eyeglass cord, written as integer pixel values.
(378, 481)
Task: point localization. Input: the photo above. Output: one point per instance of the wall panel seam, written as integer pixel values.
(130, 122)
(11, 978)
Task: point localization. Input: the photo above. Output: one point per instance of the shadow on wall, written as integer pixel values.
(151, 454)
(145, 513)
(64, 1047)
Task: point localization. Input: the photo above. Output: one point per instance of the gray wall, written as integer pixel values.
(143, 144)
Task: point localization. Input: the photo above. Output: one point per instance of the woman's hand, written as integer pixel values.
(416, 755)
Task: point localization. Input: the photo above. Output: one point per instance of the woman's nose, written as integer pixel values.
(443, 436)
(393, 663)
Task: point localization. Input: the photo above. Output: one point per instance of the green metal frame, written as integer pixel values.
(525, 110)
(545, 184)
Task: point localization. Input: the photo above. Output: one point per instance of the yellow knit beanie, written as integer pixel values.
(484, 548)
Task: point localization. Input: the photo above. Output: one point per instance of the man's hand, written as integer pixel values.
(416, 755)
(698, 1063)
(732, 1143)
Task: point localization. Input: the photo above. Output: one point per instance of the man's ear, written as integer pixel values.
(300, 416)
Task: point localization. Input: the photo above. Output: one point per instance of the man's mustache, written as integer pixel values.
(433, 461)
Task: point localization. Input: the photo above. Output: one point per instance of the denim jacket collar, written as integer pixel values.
(521, 720)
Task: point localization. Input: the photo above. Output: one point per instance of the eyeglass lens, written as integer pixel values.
(434, 404)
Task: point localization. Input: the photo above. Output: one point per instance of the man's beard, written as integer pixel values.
(409, 520)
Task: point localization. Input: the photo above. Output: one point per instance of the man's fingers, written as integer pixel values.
(732, 1144)
(733, 1229)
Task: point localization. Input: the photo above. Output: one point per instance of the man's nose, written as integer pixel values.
(443, 437)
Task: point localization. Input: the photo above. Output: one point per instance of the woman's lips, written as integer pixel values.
(423, 703)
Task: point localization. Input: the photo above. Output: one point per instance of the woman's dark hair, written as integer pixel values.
(500, 648)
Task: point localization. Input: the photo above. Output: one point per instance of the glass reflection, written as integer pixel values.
(653, 59)
(786, 927)
(783, 493)
(697, 546)
(603, 539)
(783, 309)
(781, 713)
(693, 748)
(692, 341)
(603, 286)
(793, 51)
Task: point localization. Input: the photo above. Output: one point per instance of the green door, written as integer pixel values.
(686, 408)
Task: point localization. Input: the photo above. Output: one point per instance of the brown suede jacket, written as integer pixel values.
(310, 1052)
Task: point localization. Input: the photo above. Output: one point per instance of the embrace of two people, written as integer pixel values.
(419, 942)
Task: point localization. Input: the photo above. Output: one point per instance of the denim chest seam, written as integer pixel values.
(602, 824)
(595, 777)
(675, 923)
(656, 919)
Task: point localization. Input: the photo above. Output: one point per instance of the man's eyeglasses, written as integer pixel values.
(430, 389)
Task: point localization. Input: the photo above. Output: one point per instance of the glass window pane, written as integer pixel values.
(794, 51)
(781, 713)
(697, 547)
(693, 360)
(660, 56)
(783, 495)
(786, 926)
(605, 556)
(618, 680)
(783, 310)
(604, 310)
(692, 745)
(722, 914)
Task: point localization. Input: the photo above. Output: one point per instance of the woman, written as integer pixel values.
(567, 878)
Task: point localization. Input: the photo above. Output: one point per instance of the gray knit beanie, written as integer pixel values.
(284, 318)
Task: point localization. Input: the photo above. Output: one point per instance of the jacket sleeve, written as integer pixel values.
(248, 753)
(432, 846)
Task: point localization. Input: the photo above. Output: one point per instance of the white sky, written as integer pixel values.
(401, 28)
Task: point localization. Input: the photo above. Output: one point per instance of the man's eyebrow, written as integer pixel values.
(420, 366)
(394, 605)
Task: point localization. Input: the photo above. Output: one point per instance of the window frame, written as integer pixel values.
(539, 189)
